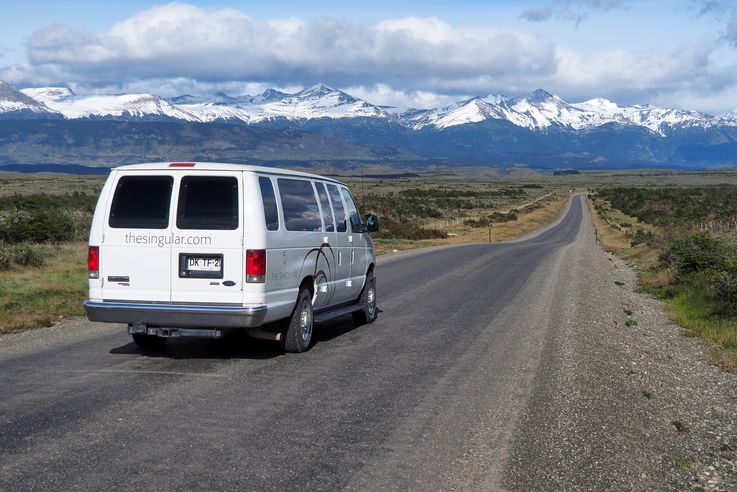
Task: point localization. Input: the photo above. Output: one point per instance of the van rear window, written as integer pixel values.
(208, 202)
(141, 202)
(299, 205)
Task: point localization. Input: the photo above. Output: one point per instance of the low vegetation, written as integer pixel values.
(429, 211)
(39, 292)
(683, 242)
(42, 257)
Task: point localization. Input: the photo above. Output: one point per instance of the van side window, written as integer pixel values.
(351, 210)
(271, 213)
(208, 202)
(299, 205)
(327, 213)
(338, 207)
(141, 202)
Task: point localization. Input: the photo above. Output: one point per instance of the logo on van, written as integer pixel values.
(284, 258)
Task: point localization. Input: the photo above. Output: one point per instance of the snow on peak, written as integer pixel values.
(537, 110)
(597, 104)
(12, 100)
(128, 106)
(45, 94)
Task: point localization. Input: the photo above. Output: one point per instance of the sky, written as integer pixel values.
(675, 53)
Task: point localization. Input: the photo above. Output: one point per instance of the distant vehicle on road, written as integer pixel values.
(194, 249)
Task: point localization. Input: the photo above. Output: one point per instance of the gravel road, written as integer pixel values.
(490, 367)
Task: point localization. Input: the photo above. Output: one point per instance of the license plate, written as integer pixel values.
(200, 266)
(203, 264)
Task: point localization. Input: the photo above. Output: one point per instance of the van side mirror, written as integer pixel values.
(372, 223)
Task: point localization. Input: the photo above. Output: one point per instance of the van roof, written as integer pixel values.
(217, 166)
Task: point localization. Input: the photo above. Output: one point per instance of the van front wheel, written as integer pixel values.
(299, 331)
(367, 301)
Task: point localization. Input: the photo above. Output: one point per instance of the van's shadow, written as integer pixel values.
(234, 345)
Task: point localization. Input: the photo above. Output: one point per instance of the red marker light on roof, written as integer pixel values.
(182, 164)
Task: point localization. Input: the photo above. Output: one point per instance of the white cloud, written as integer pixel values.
(180, 40)
(384, 95)
(409, 62)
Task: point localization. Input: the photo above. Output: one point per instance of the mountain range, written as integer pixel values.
(321, 125)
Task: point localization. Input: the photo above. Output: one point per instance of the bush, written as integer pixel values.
(394, 229)
(725, 287)
(643, 237)
(495, 217)
(6, 258)
(26, 255)
(697, 253)
(39, 225)
(45, 218)
(23, 255)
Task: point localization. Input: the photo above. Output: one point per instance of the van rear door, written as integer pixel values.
(136, 245)
(207, 260)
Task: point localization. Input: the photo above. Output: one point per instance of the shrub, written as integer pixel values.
(725, 290)
(22, 255)
(404, 229)
(696, 253)
(6, 258)
(643, 237)
(39, 225)
(26, 255)
(495, 217)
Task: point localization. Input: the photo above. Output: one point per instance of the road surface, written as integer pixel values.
(430, 396)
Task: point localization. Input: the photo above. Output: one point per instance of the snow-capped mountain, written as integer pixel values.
(313, 103)
(538, 110)
(14, 103)
(322, 124)
(541, 110)
(123, 106)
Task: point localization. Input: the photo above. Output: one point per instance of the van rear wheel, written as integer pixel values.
(299, 331)
(148, 341)
(367, 301)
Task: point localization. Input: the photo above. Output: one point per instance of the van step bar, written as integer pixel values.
(325, 316)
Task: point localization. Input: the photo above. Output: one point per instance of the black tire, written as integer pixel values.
(148, 341)
(367, 301)
(299, 331)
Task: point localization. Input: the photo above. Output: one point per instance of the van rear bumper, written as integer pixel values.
(176, 315)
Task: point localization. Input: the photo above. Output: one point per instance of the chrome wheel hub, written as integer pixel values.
(305, 320)
(371, 299)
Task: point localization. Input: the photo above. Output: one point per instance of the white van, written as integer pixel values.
(193, 249)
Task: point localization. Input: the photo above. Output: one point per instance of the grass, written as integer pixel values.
(32, 297)
(526, 223)
(694, 310)
(689, 307)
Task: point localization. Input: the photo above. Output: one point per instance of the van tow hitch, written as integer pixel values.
(136, 328)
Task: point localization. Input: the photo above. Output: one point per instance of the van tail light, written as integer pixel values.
(93, 262)
(255, 265)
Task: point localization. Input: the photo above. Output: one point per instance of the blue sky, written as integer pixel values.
(412, 53)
